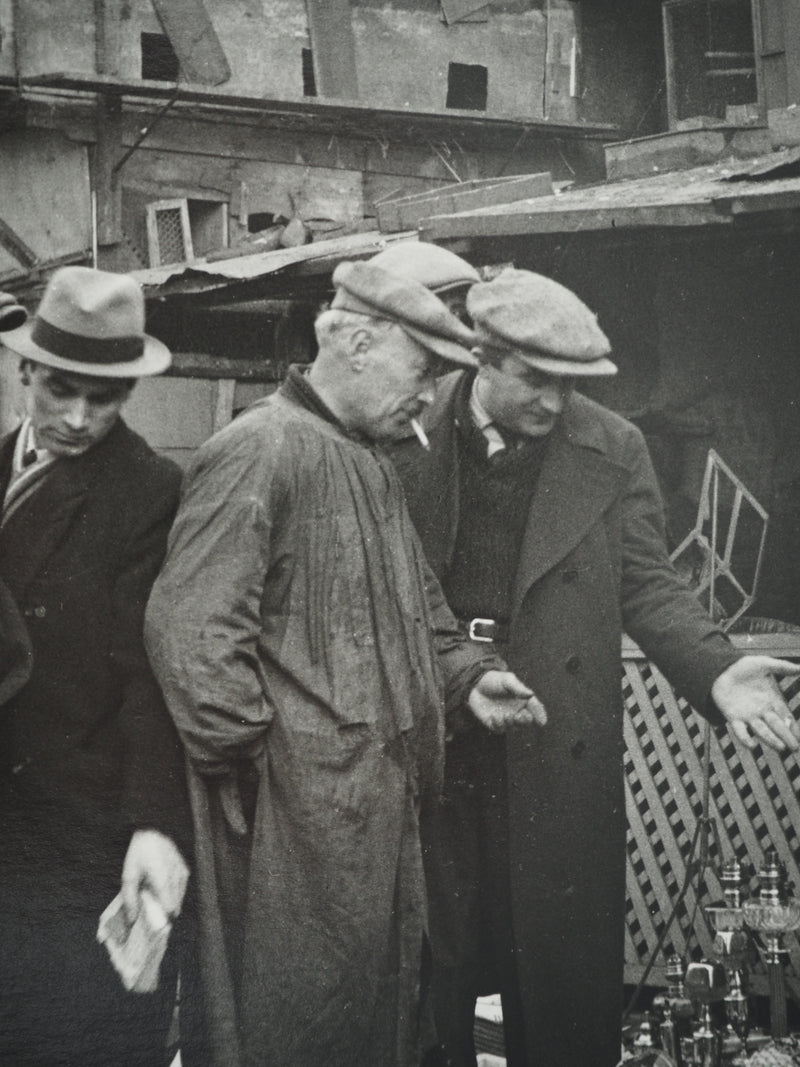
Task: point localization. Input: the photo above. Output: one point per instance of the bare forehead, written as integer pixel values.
(82, 384)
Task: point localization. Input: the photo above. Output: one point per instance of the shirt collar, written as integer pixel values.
(477, 411)
(26, 442)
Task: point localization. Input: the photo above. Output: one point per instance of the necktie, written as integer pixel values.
(29, 458)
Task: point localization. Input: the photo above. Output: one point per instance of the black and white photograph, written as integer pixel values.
(399, 533)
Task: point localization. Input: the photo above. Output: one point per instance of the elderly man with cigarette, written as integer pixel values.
(310, 662)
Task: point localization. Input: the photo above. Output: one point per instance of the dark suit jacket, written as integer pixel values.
(16, 655)
(593, 563)
(88, 736)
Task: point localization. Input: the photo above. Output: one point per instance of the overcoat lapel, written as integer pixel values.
(41, 523)
(577, 483)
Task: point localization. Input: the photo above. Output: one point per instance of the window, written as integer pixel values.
(159, 62)
(467, 86)
(711, 60)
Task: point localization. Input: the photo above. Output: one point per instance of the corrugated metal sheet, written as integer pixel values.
(201, 276)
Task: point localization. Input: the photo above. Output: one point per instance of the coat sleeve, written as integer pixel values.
(154, 787)
(659, 611)
(203, 619)
(462, 662)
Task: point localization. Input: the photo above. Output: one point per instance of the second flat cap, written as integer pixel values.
(551, 328)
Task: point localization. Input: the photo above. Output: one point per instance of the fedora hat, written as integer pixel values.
(91, 322)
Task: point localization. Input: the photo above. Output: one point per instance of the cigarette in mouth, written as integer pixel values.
(422, 437)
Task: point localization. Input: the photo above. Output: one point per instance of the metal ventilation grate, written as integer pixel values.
(169, 234)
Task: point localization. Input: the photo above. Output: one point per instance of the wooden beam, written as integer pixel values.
(105, 179)
(13, 243)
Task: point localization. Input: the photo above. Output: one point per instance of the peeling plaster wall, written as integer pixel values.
(402, 50)
(403, 58)
(55, 36)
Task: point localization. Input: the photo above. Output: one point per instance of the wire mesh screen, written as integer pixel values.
(753, 798)
(171, 244)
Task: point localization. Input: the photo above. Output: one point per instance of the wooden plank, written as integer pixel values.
(560, 220)
(406, 213)
(333, 50)
(223, 406)
(202, 365)
(192, 35)
(13, 243)
(771, 45)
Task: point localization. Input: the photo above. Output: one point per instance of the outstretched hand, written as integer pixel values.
(753, 705)
(500, 701)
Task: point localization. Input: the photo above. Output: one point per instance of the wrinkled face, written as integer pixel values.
(71, 412)
(520, 398)
(396, 380)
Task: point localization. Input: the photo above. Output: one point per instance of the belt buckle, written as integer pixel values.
(472, 630)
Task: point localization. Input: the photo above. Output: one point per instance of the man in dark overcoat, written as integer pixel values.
(540, 514)
(91, 776)
(15, 646)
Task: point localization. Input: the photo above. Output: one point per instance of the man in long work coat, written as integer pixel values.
(540, 514)
(91, 772)
(305, 652)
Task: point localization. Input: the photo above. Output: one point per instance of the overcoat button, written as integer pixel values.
(569, 576)
(574, 664)
(578, 749)
(40, 611)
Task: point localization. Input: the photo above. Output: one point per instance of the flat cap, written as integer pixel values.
(547, 324)
(369, 290)
(436, 268)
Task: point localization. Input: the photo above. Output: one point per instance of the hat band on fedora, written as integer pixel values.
(90, 350)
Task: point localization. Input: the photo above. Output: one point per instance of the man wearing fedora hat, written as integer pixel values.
(15, 645)
(540, 515)
(90, 765)
(306, 653)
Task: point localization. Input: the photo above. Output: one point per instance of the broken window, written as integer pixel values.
(309, 81)
(711, 61)
(467, 86)
(159, 62)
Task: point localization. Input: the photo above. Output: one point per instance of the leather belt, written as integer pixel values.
(483, 630)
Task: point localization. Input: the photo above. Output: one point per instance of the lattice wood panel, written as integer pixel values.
(753, 802)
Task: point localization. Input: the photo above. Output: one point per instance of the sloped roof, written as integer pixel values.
(715, 194)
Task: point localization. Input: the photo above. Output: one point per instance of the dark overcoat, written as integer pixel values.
(593, 563)
(87, 750)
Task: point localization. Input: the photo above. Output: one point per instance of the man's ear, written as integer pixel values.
(25, 371)
(360, 344)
